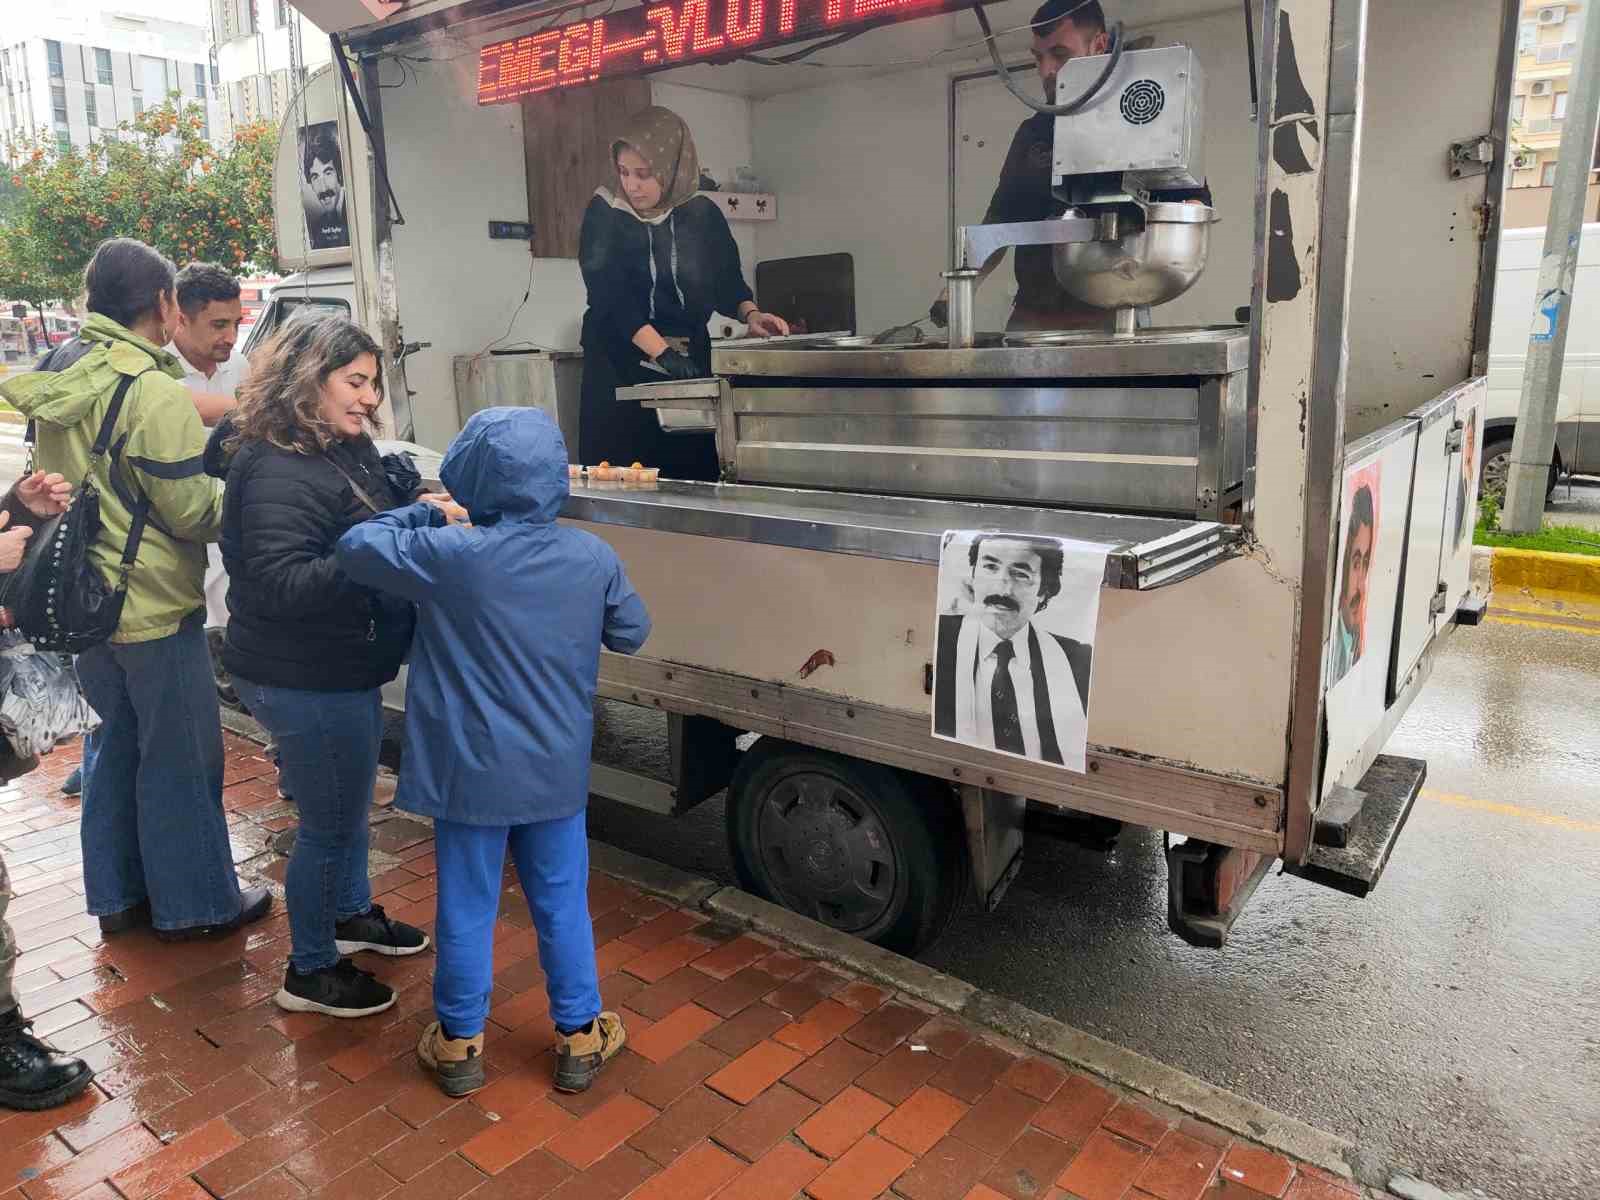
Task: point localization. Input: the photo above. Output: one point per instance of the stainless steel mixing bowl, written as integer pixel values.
(1151, 266)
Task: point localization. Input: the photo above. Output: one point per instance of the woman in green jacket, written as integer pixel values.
(155, 840)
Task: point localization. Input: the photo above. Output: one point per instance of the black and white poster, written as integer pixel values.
(1015, 644)
(322, 189)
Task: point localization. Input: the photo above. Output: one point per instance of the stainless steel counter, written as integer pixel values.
(1194, 351)
(1144, 552)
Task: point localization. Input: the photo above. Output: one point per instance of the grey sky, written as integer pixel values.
(193, 12)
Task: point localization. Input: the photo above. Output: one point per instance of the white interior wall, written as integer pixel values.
(878, 188)
(456, 166)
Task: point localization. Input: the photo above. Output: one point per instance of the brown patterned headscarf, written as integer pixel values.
(660, 137)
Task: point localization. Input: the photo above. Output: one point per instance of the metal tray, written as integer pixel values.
(682, 405)
(1071, 337)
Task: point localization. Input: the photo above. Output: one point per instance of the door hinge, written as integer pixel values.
(1474, 156)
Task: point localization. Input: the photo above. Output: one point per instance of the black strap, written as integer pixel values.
(139, 510)
(354, 486)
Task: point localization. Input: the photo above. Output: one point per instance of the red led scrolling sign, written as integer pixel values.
(655, 37)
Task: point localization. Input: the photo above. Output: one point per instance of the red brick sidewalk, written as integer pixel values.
(750, 1073)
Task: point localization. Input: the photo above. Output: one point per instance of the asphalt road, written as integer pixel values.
(1577, 503)
(1450, 1023)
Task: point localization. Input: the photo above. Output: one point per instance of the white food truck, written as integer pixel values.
(1268, 457)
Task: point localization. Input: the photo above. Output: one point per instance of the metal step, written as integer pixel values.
(1391, 787)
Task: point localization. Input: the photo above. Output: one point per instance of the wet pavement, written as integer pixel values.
(749, 1070)
(1450, 1023)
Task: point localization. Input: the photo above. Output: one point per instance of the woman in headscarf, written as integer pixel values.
(658, 260)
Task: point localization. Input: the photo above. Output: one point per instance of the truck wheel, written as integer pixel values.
(227, 695)
(857, 846)
(1496, 470)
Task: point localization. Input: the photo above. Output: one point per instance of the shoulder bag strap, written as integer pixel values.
(139, 513)
(355, 487)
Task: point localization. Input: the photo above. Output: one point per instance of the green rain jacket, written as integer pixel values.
(157, 449)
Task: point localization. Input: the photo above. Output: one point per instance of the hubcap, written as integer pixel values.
(1496, 470)
(827, 852)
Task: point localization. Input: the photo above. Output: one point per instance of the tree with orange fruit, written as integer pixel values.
(158, 179)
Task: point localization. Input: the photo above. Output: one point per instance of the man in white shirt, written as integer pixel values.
(1001, 683)
(209, 312)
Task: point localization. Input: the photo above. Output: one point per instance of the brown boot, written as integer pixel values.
(457, 1063)
(580, 1055)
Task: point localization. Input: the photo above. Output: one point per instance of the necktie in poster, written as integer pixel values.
(1014, 654)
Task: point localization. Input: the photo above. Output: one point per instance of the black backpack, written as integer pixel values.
(57, 597)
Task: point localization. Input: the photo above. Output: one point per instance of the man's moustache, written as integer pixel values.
(1005, 602)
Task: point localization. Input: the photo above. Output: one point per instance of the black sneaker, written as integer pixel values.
(342, 990)
(373, 930)
(74, 784)
(254, 903)
(33, 1076)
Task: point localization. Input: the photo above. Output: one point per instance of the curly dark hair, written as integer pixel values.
(201, 283)
(281, 401)
(323, 145)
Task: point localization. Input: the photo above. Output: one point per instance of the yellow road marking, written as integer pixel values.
(1537, 816)
(1543, 623)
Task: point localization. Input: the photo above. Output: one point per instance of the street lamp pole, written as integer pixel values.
(1533, 446)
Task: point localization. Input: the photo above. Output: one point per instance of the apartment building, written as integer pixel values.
(1547, 53)
(76, 75)
(265, 51)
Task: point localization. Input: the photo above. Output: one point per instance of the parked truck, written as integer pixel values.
(1277, 461)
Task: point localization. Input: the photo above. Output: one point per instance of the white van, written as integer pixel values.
(1578, 414)
(334, 287)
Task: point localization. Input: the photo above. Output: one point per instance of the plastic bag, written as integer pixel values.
(40, 700)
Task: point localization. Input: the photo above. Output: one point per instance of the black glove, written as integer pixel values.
(939, 313)
(674, 364)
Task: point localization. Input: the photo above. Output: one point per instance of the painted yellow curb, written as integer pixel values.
(1545, 571)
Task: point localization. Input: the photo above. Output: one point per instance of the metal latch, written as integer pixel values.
(1436, 606)
(1452, 439)
(1474, 156)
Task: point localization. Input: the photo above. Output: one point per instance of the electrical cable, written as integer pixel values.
(511, 324)
(779, 60)
(1079, 103)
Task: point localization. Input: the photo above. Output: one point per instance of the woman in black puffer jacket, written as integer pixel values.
(309, 648)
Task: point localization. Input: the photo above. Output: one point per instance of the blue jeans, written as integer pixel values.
(153, 826)
(328, 756)
(552, 859)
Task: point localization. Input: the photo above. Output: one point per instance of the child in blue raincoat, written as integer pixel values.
(512, 611)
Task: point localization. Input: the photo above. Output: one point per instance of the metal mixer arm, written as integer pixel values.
(976, 243)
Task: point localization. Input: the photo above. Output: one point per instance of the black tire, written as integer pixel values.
(1495, 468)
(227, 695)
(884, 853)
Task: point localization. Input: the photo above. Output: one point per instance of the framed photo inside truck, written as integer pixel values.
(318, 207)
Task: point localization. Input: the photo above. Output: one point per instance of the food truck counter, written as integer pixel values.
(1142, 552)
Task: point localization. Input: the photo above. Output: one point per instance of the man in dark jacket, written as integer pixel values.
(512, 613)
(1062, 31)
(32, 1076)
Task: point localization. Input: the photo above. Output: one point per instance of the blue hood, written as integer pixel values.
(508, 463)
